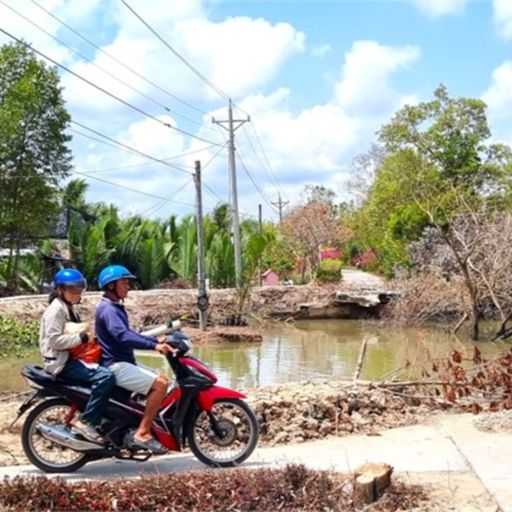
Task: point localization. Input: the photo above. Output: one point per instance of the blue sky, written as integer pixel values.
(318, 79)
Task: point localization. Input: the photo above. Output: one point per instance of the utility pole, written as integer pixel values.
(235, 221)
(260, 225)
(202, 295)
(280, 204)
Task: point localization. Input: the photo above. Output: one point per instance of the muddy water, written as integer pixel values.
(322, 349)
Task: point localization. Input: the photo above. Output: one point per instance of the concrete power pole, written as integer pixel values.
(280, 204)
(202, 295)
(231, 128)
(260, 229)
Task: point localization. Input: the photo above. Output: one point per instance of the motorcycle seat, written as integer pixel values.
(37, 374)
(41, 376)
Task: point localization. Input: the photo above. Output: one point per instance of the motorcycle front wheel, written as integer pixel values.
(46, 455)
(225, 436)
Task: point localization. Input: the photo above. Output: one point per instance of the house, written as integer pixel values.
(269, 278)
(330, 254)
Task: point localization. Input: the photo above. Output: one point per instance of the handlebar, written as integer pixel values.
(180, 342)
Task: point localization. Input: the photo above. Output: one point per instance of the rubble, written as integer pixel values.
(300, 412)
(499, 422)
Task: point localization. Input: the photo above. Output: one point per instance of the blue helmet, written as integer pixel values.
(69, 277)
(113, 273)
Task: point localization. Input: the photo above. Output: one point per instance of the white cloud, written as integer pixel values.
(498, 98)
(240, 55)
(438, 8)
(365, 88)
(23, 29)
(503, 17)
(499, 95)
(318, 143)
(314, 145)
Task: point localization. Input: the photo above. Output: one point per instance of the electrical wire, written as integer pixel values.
(124, 187)
(142, 164)
(253, 180)
(78, 34)
(83, 57)
(177, 54)
(153, 209)
(270, 172)
(108, 93)
(203, 167)
(129, 148)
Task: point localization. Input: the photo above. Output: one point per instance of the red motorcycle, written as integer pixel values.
(218, 426)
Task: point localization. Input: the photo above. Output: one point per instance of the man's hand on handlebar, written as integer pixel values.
(164, 349)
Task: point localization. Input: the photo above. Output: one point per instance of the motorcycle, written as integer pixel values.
(215, 422)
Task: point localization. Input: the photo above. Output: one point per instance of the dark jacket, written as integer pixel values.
(115, 336)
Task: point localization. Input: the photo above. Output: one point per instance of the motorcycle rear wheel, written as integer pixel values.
(236, 436)
(44, 454)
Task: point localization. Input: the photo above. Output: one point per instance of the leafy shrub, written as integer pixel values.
(17, 338)
(293, 488)
(367, 260)
(329, 271)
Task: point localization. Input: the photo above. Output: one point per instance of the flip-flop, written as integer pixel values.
(154, 446)
(88, 432)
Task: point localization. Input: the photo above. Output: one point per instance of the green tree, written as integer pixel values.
(438, 169)
(34, 153)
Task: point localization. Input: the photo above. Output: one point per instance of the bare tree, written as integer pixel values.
(461, 269)
(310, 226)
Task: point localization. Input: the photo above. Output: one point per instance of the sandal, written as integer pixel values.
(88, 432)
(154, 446)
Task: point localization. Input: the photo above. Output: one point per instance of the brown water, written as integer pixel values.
(310, 350)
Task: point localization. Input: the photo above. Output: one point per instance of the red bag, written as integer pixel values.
(89, 352)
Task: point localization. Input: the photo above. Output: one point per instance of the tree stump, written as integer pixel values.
(370, 481)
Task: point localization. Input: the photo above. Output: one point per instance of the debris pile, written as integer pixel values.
(304, 411)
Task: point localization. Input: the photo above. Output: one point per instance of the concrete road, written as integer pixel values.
(448, 448)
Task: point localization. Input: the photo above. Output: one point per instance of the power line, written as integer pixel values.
(272, 174)
(118, 185)
(70, 28)
(108, 93)
(159, 204)
(129, 148)
(175, 52)
(257, 156)
(141, 164)
(251, 177)
(28, 20)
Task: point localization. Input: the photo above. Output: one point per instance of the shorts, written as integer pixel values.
(133, 377)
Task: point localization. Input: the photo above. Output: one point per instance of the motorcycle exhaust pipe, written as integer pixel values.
(64, 437)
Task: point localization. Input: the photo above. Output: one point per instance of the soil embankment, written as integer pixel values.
(282, 302)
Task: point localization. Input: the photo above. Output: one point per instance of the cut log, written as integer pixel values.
(365, 490)
(370, 481)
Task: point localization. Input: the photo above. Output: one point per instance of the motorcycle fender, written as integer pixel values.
(26, 405)
(206, 398)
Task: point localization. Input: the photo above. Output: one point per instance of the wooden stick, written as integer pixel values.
(359, 364)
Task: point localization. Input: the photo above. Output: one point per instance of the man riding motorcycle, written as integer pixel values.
(118, 342)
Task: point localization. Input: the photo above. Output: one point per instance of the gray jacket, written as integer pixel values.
(53, 343)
